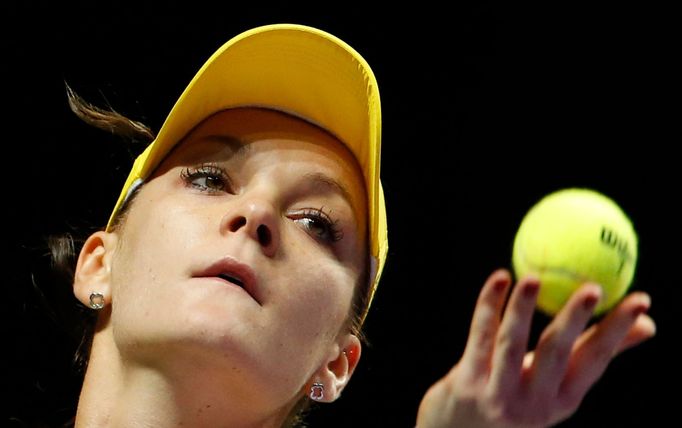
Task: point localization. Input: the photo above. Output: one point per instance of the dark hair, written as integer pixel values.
(63, 250)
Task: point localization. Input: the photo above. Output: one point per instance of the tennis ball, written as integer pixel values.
(573, 236)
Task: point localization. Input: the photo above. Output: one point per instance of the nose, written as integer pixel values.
(259, 220)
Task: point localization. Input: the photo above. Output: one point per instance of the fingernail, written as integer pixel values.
(531, 289)
(639, 310)
(590, 302)
(642, 307)
(592, 299)
(499, 286)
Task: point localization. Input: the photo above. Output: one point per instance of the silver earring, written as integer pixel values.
(96, 301)
(317, 391)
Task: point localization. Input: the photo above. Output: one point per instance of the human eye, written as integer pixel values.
(319, 224)
(207, 177)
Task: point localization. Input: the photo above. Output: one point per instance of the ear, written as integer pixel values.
(93, 270)
(339, 367)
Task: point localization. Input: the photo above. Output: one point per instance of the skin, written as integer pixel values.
(174, 349)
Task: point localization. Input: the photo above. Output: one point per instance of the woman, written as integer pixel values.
(242, 256)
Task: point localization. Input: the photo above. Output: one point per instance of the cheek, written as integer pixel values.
(317, 300)
(310, 307)
(315, 289)
(158, 229)
(152, 251)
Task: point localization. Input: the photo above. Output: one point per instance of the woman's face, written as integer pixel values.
(242, 254)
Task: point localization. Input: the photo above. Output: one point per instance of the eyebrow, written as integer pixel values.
(320, 180)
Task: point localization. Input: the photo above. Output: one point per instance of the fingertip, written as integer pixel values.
(590, 302)
(645, 299)
(531, 279)
(641, 304)
(643, 329)
(531, 286)
(641, 297)
(501, 274)
(593, 288)
(500, 280)
(592, 295)
(647, 324)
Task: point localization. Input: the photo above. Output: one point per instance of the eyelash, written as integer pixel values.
(331, 228)
(206, 170)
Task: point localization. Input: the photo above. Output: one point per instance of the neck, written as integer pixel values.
(119, 394)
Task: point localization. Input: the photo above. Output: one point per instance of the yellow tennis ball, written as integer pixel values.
(573, 236)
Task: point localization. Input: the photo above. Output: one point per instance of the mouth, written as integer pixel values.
(233, 272)
(231, 278)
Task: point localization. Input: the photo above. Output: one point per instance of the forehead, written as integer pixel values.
(238, 129)
(242, 132)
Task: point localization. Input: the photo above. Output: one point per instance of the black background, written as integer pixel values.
(486, 108)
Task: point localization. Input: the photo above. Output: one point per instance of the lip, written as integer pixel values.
(231, 267)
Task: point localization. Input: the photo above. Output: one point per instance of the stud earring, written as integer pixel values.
(317, 391)
(96, 301)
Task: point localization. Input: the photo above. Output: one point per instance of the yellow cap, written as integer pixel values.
(299, 70)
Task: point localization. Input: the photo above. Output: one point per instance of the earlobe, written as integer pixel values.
(330, 381)
(92, 279)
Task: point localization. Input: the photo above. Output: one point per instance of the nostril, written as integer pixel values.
(237, 224)
(264, 235)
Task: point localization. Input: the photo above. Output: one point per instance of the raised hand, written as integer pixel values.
(498, 383)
